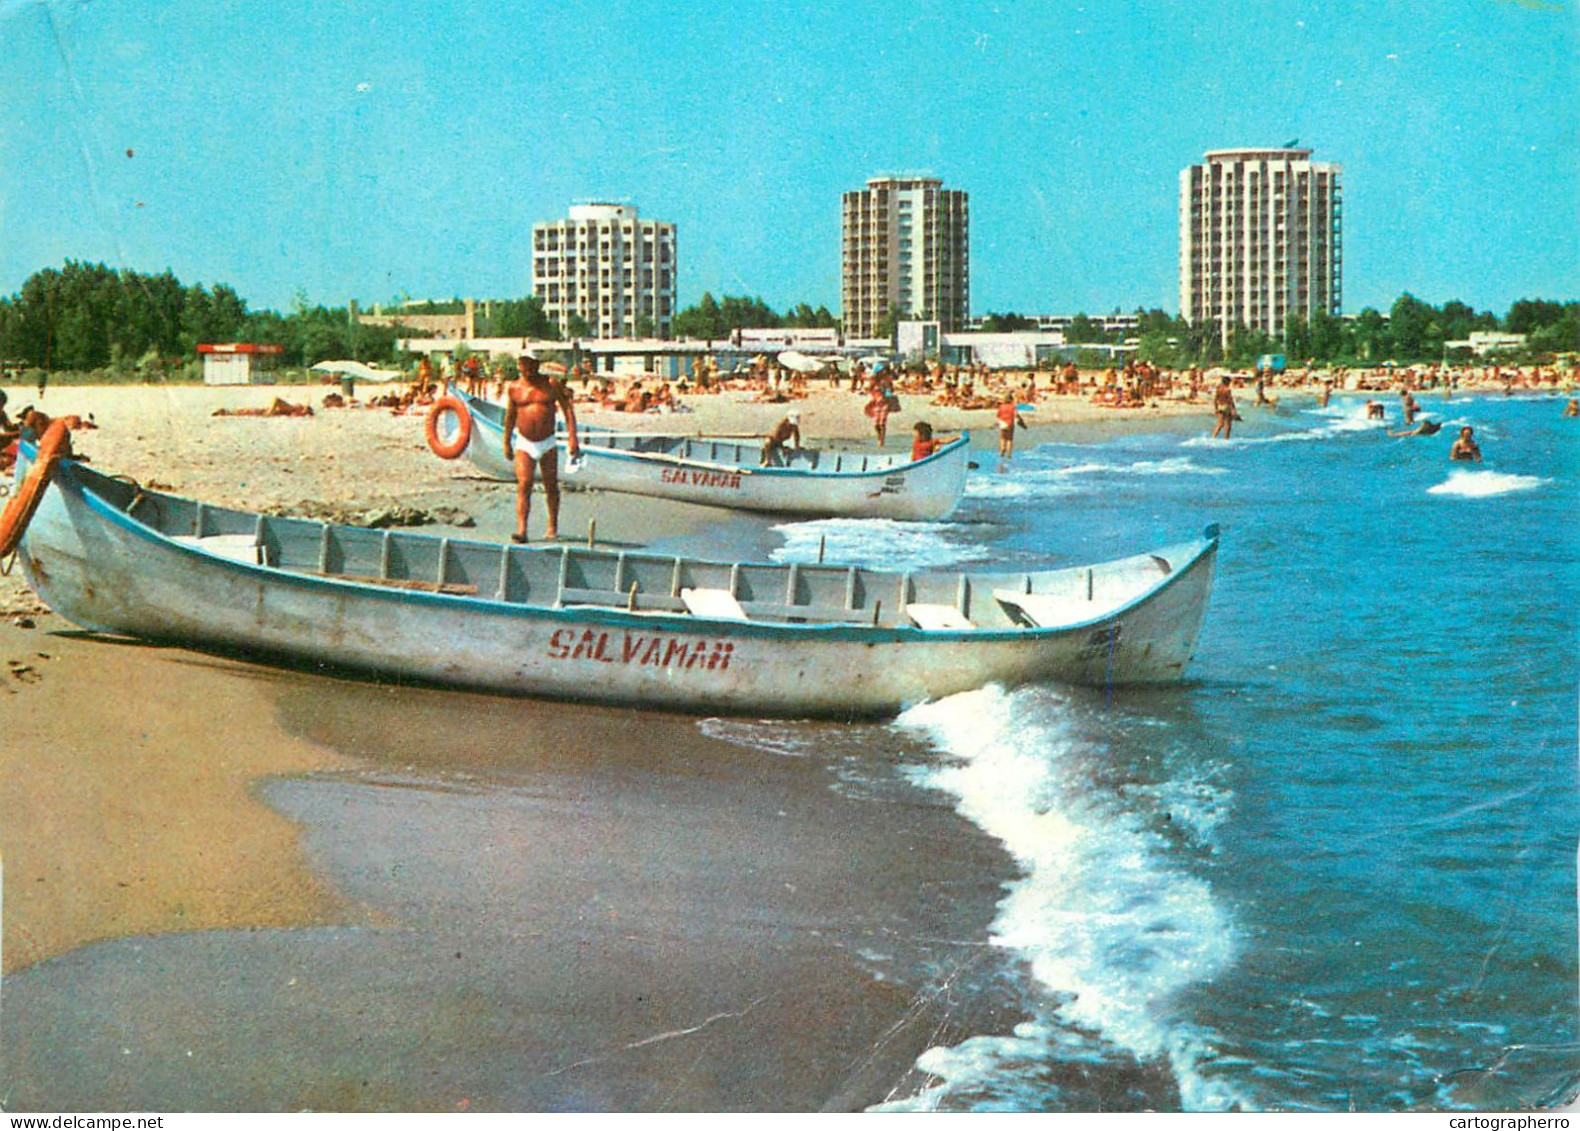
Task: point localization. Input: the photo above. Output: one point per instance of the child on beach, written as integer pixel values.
(1008, 420)
(924, 443)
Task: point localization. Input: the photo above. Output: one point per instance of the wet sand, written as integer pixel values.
(129, 802)
(533, 906)
(233, 887)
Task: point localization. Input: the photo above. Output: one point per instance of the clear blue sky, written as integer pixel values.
(367, 150)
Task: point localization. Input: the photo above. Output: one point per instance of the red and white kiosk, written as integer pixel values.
(239, 363)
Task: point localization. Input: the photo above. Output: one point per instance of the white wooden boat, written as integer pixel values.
(600, 625)
(724, 473)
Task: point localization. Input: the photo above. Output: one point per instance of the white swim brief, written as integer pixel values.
(537, 449)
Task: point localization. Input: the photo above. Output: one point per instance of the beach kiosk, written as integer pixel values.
(239, 363)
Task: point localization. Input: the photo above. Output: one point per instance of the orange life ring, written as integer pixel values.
(463, 431)
(19, 509)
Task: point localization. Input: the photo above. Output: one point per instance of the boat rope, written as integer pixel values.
(138, 494)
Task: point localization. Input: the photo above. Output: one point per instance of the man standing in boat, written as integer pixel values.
(787, 430)
(530, 404)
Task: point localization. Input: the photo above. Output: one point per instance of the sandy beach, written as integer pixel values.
(136, 810)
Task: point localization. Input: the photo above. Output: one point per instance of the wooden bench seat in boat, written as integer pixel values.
(1046, 610)
(937, 618)
(234, 547)
(719, 604)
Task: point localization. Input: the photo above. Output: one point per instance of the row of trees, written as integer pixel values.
(712, 319)
(87, 316)
(1412, 332)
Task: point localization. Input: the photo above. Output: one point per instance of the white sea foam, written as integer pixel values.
(1485, 484)
(1338, 420)
(770, 737)
(1194, 805)
(879, 542)
(1045, 482)
(1107, 922)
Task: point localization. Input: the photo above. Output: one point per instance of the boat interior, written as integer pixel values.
(562, 575)
(733, 454)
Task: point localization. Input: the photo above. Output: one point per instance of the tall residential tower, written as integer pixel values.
(1260, 239)
(614, 270)
(906, 249)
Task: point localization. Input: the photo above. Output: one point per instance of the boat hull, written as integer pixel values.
(926, 490)
(107, 571)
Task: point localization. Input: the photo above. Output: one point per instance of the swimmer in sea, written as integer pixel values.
(1425, 428)
(1573, 407)
(1465, 448)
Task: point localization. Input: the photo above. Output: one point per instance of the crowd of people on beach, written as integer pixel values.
(537, 395)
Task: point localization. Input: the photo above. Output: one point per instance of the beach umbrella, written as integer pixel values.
(358, 370)
(800, 362)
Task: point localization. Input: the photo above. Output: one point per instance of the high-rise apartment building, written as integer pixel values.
(907, 249)
(1260, 239)
(607, 265)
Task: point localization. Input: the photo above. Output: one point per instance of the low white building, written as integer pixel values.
(1483, 343)
(239, 363)
(1018, 349)
(816, 339)
(609, 357)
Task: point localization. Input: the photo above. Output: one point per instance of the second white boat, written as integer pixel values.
(726, 473)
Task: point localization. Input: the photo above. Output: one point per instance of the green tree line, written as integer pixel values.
(87, 316)
(1412, 332)
(712, 318)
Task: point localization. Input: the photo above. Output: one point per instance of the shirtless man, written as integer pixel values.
(1409, 407)
(1465, 448)
(530, 403)
(786, 430)
(1223, 405)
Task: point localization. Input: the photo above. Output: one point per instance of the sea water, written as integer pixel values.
(1336, 868)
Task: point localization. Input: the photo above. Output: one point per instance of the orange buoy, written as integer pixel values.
(55, 443)
(463, 430)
